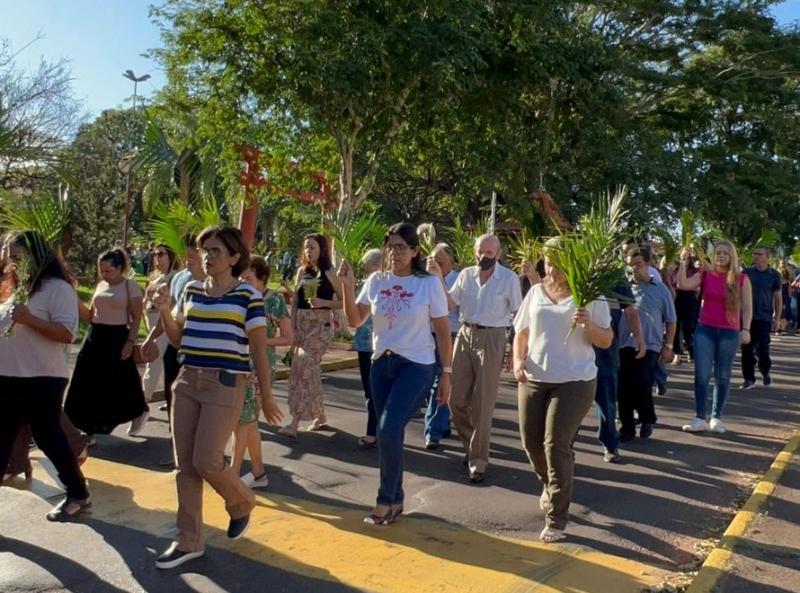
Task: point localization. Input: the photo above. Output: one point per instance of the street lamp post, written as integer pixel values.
(128, 169)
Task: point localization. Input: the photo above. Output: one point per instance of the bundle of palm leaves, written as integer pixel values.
(589, 256)
(427, 238)
(524, 247)
(462, 241)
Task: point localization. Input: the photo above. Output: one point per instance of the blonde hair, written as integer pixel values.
(733, 292)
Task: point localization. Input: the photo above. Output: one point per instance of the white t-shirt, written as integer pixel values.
(27, 353)
(491, 304)
(402, 309)
(554, 354)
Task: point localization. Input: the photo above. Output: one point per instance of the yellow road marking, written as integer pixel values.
(717, 561)
(415, 555)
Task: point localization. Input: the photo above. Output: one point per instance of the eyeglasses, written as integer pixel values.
(399, 247)
(212, 252)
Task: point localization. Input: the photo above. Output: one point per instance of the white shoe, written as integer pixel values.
(717, 426)
(251, 481)
(696, 425)
(137, 424)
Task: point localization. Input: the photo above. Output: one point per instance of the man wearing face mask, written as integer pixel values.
(487, 295)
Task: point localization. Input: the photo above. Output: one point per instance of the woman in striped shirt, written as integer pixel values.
(217, 325)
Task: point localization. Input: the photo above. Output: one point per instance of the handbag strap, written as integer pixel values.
(128, 301)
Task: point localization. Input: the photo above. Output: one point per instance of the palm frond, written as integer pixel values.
(355, 236)
(174, 221)
(462, 240)
(427, 237)
(524, 247)
(45, 214)
(589, 256)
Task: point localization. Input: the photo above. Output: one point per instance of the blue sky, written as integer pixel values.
(103, 38)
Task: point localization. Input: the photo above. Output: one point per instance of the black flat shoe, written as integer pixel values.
(173, 557)
(238, 527)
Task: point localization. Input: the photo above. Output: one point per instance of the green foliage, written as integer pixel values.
(358, 235)
(589, 256)
(462, 241)
(48, 215)
(174, 222)
(524, 247)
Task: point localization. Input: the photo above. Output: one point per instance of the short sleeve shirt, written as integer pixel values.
(26, 353)
(557, 352)
(402, 308)
(215, 329)
(491, 304)
(656, 308)
(110, 304)
(275, 307)
(764, 284)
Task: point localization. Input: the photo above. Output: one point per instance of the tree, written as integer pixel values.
(38, 116)
(340, 75)
(98, 191)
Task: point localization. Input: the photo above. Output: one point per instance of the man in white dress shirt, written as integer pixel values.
(487, 295)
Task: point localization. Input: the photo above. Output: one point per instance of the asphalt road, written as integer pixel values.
(660, 507)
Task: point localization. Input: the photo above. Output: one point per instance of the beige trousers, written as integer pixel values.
(205, 412)
(477, 363)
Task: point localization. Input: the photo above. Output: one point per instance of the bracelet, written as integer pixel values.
(745, 330)
(667, 346)
(448, 370)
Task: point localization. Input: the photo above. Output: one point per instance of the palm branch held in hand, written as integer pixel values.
(589, 256)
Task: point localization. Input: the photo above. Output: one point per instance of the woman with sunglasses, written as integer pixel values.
(403, 299)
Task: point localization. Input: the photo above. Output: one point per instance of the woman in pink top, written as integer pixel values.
(725, 309)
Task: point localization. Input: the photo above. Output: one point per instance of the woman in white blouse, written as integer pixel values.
(403, 299)
(554, 365)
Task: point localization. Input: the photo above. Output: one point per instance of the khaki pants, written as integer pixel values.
(204, 414)
(550, 415)
(477, 363)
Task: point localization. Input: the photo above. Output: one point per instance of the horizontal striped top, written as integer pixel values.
(215, 328)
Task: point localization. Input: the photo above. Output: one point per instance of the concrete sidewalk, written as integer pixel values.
(760, 550)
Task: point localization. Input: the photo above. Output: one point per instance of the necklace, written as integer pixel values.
(215, 291)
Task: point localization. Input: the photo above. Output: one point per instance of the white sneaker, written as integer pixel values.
(696, 425)
(137, 424)
(717, 426)
(251, 481)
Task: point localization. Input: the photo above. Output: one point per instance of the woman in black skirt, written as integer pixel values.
(106, 389)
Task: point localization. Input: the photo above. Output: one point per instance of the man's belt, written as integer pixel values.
(479, 326)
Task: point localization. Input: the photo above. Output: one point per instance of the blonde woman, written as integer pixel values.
(725, 314)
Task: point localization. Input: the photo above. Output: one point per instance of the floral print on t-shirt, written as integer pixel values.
(392, 300)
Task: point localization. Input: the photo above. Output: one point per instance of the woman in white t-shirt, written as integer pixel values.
(554, 365)
(37, 324)
(403, 300)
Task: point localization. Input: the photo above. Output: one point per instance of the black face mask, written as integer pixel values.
(486, 263)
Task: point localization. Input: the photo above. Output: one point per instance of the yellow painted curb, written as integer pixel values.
(717, 561)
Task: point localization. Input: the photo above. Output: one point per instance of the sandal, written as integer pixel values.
(386, 519)
(315, 426)
(68, 509)
(551, 535)
(363, 443)
(288, 431)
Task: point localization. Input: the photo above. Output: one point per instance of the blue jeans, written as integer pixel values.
(398, 388)
(437, 418)
(605, 404)
(713, 347)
